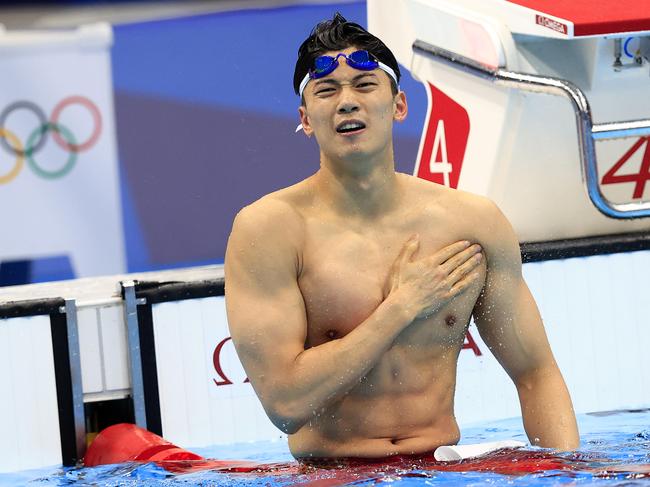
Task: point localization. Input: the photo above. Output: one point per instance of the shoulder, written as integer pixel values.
(492, 229)
(456, 202)
(487, 224)
(274, 214)
(470, 216)
(267, 237)
(483, 212)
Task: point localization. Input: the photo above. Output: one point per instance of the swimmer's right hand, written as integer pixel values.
(427, 284)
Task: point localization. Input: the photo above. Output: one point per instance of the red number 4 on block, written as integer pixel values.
(644, 172)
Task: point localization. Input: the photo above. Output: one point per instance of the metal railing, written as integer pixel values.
(588, 132)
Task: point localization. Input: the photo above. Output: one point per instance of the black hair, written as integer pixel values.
(335, 35)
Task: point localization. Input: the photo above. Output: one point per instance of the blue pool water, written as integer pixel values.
(618, 439)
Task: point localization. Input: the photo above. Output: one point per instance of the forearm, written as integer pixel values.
(323, 374)
(549, 419)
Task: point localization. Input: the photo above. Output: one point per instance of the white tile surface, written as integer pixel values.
(639, 290)
(169, 363)
(8, 435)
(44, 388)
(114, 348)
(222, 420)
(579, 375)
(601, 320)
(29, 425)
(195, 410)
(596, 312)
(90, 350)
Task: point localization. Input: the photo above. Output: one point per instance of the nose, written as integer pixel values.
(347, 101)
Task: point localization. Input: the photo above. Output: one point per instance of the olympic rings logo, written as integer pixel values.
(62, 135)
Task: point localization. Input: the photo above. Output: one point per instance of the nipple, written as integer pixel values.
(332, 334)
(450, 320)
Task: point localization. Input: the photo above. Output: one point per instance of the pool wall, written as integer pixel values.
(187, 384)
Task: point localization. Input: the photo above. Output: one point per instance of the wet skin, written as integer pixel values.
(349, 293)
(405, 403)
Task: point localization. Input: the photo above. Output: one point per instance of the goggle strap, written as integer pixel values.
(380, 65)
(303, 84)
(390, 72)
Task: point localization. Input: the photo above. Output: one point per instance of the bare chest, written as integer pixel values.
(344, 279)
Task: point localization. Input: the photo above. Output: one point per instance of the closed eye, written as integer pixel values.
(324, 91)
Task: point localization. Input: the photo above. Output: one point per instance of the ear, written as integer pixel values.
(401, 107)
(304, 120)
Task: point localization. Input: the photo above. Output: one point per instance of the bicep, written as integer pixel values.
(510, 324)
(506, 314)
(266, 312)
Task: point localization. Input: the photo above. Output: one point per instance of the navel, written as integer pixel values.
(450, 320)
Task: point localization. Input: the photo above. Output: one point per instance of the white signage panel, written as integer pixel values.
(205, 398)
(59, 181)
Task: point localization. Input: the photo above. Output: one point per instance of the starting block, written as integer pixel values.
(566, 166)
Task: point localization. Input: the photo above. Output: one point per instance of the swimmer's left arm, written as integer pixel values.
(510, 324)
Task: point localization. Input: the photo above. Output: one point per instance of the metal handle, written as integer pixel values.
(587, 131)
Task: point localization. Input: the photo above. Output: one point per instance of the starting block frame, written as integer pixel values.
(588, 132)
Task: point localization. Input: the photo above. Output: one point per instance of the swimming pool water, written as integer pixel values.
(607, 439)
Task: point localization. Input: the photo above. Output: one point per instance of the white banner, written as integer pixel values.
(59, 180)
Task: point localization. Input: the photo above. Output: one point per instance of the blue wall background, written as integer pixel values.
(205, 114)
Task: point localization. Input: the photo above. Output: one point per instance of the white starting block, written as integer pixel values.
(492, 129)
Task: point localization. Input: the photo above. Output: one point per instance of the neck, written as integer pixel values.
(362, 187)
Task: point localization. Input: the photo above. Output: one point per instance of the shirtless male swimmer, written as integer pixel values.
(349, 293)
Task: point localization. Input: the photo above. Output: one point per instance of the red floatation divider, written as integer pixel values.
(125, 442)
(129, 443)
(122, 443)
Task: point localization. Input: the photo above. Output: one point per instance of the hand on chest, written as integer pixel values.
(344, 280)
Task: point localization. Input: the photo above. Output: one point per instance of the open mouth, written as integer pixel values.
(350, 127)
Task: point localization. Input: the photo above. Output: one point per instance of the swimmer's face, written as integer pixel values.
(351, 112)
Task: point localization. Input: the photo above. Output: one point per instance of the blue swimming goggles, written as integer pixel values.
(362, 60)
